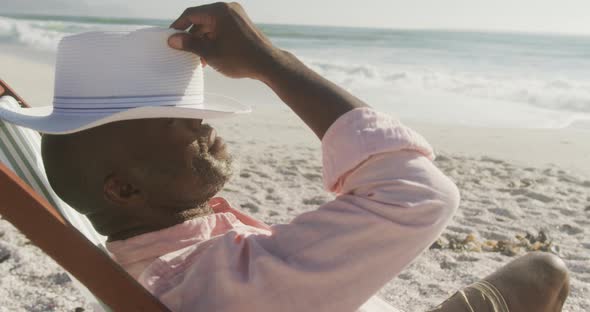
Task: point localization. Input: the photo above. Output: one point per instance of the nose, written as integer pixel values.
(194, 124)
(205, 134)
(212, 136)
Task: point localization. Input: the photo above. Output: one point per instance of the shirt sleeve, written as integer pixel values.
(392, 204)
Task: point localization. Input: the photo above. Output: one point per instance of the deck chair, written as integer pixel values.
(28, 202)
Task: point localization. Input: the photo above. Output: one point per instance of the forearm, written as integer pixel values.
(224, 36)
(317, 101)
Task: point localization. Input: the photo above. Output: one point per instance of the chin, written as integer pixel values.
(216, 189)
(213, 174)
(193, 213)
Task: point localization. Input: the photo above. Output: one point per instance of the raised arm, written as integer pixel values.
(392, 201)
(225, 38)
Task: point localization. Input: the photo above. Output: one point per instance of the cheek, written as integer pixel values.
(187, 185)
(182, 184)
(168, 187)
(191, 181)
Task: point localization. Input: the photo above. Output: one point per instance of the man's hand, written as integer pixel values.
(225, 38)
(223, 35)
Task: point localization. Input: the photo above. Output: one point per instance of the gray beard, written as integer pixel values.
(214, 174)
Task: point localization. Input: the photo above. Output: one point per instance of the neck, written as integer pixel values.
(124, 229)
(131, 232)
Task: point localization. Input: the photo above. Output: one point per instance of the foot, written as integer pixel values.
(535, 282)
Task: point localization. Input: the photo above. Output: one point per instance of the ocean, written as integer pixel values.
(471, 78)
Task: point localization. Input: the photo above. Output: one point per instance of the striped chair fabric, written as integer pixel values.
(20, 151)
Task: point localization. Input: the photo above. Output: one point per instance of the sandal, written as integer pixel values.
(489, 294)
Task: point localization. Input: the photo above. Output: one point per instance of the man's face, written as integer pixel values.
(176, 165)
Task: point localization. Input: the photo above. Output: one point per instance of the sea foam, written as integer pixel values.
(488, 79)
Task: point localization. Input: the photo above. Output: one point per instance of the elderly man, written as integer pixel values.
(149, 185)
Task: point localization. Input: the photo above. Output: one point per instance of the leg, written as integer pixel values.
(535, 282)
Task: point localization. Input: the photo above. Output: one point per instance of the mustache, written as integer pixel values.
(202, 140)
(213, 173)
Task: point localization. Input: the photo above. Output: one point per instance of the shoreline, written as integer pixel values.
(567, 148)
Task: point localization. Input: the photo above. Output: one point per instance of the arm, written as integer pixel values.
(225, 38)
(393, 202)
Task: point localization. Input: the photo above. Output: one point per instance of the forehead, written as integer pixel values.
(151, 133)
(156, 125)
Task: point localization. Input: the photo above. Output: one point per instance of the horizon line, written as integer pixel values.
(130, 21)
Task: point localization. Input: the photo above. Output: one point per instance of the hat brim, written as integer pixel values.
(44, 119)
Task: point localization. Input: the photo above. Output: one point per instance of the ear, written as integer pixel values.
(121, 193)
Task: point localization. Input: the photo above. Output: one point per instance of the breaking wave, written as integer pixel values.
(524, 72)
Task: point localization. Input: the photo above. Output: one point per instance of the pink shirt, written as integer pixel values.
(391, 204)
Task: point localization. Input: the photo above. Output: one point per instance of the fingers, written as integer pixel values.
(188, 42)
(197, 30)
(203, 16)
(202, 22)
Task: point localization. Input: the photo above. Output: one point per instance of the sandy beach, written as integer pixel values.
(512, 181)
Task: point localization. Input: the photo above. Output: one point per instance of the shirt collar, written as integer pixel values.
(157, 243)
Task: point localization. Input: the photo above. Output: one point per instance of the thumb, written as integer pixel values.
(187, 42)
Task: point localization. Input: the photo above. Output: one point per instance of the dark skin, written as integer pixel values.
(192, 166)
(131, 203)
(145, 175)
(134, 198)
(218, 32)
(225, 38)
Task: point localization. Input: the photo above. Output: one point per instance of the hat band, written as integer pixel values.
(109, 101)
(116, 104)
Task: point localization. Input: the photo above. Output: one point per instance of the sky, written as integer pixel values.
(565, 16)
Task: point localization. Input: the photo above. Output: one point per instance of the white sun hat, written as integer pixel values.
(103, 77)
